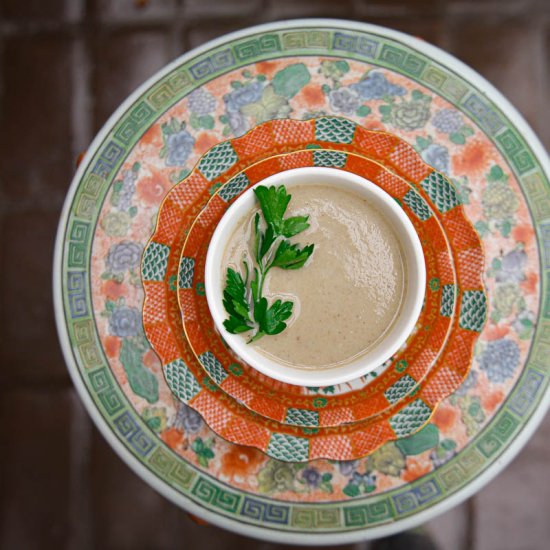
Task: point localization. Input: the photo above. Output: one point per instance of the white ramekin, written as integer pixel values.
(415, 280)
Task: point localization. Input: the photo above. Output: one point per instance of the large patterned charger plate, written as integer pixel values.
(386, 81)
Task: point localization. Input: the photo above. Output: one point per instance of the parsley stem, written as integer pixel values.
(243, 297)
(256, 336)
(247, 273)
(262, 277)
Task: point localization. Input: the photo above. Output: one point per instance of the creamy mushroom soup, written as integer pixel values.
(348, 294)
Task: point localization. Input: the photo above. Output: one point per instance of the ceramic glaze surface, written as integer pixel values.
(384, 81)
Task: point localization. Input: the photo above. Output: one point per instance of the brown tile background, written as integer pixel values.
(65, 65)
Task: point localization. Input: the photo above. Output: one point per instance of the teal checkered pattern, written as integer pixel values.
(329, 159)
(418, 205)
(155, 262)
(233, 187)
(302, 417)
(400, 389)
(335, 130)
(448, 297)
(213, 367)
(288, 448)
(219, 159)
(441, 192)
(186, 273)
(181, 381)
(409, 419)
(473, 310)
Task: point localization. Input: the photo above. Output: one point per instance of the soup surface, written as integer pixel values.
(349, 293)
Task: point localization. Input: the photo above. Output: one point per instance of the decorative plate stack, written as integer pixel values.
(320, 465)
(294, 423)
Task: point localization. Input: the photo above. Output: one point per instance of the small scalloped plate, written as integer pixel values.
(184, 374)
(278, 401)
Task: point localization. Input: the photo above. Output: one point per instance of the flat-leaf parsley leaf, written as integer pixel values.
(247, 308)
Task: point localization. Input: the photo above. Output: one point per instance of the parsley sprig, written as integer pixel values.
(243, 298)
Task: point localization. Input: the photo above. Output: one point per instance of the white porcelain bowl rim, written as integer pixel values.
(410, 310)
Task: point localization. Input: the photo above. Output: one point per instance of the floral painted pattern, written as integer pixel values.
(379, 99)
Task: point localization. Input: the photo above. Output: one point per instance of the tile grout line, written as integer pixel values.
(471, 524)
(82, 101)
(81, 535)
(1, 70)
(2, 84)
(542, 27)
(446, 26)
(11, 28)
(177, 31)
(3, 201)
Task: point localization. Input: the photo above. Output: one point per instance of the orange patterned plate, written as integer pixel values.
(398, 377)
(225, 415)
